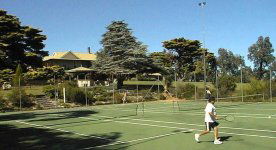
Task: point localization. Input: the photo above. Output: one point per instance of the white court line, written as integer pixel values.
(218, 107)
(201, 114)
(136, 140)
(244, 115)
(45, 127)
(154, 108)
(184, 123)
(198, 113)
(143, 124)
(189, 129)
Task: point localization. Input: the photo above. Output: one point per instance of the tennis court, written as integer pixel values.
(161, 125)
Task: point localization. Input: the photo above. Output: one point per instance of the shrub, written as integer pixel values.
(260, 87)
(3, 103)
(226, 84)
(77, 96)
(256, 86)
(49, 90)
(14, 97)
(100, 94)
(185, 90)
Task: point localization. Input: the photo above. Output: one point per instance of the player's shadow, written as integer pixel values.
(224, 138)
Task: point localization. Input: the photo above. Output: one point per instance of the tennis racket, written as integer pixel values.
(229, 118)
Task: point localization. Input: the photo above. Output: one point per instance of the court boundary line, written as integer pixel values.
(189, 129)
(136, 140)
(190, 124)
(196, 113)
(66, 131)
(141, 139)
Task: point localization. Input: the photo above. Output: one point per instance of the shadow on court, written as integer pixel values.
(121, 146)
(46, 116)
(34, 138)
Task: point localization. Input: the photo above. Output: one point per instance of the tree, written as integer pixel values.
(186, 53)
(261, 55)
(19, 44)
(165, 61)
(45, 73)
(210, 64)
(18, 77)
(122, 55)
(229, 63)
(5, 75)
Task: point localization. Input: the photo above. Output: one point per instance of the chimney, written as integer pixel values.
(89, 51)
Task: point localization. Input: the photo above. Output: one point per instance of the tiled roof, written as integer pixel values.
(71, 56)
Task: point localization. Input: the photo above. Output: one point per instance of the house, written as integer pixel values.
(70, 60)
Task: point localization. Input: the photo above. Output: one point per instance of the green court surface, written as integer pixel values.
(160, 125)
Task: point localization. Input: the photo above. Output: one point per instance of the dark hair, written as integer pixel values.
(211, 98)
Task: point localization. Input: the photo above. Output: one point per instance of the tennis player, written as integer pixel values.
(210, 121)
(208, 93)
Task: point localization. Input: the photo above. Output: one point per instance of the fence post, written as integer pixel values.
(64, 97)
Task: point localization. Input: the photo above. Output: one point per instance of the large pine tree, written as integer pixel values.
(122, 55)
(19, 44)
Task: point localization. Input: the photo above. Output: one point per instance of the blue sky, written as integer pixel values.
(76, 24)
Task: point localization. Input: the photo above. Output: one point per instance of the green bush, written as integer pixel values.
(14, 97)
(226, 85)
(185, 90)
(3, 103)
(256, 87)
(49, 90)
(77, 96)
(100, 94)
(260, 87)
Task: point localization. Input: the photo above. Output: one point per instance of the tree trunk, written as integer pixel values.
(165, 84)
(261, 70)
(120, 82)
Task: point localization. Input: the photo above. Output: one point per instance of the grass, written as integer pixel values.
(34, 90)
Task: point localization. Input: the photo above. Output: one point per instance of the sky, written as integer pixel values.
(77, 24)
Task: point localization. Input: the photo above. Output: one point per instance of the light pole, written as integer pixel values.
(202, 5)
(270, 84)
(20, 96)
(174, 68)
(241, 84)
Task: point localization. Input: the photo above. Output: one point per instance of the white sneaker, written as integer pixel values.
(217, 142)
(197, 137)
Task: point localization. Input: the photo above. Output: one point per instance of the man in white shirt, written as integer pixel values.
(210, 121)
